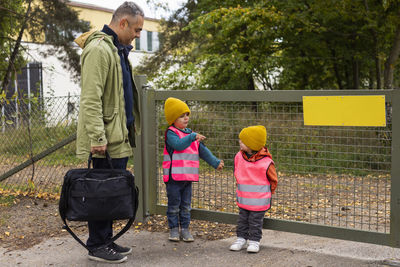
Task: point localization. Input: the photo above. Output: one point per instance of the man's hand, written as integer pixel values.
(100, 150)
(221, 165)
(200, 137)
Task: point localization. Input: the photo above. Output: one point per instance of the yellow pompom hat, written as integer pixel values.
(174, 108)
(254, 137)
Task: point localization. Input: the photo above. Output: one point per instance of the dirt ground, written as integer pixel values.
(27, 221)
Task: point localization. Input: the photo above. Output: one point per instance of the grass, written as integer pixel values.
(6, 200)
(28, 189)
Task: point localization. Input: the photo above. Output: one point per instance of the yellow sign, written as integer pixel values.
(366, 110)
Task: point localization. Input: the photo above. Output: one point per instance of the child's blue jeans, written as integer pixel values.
(179, 203)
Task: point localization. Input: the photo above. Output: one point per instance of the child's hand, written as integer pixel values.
(221, 165)
(200, 137)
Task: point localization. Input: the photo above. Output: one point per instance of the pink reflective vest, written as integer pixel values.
(253, 188)
(184, 165)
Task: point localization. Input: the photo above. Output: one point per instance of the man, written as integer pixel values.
(109, 109)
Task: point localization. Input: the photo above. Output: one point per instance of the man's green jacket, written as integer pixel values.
(102, 118)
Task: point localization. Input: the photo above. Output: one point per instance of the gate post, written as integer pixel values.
(395, 171)
(138, 170)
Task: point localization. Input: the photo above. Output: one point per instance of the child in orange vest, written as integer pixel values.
(256, 180)
(182, 151)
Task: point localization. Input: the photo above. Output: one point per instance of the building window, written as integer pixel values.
(149, 41)
(137, 44)
(156, 42)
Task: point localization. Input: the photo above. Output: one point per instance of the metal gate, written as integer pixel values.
(339, 182)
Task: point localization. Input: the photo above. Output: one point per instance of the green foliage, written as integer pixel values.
(51, 22)
(59, 24)
(10, 23)
(269, 45)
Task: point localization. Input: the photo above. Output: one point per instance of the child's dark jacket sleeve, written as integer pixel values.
(272, 177)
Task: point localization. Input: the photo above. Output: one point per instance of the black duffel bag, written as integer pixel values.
(98, 195)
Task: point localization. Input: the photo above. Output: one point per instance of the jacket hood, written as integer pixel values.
(263, 152)
(87, 37)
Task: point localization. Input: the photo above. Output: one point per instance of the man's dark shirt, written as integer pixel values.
(123, 52)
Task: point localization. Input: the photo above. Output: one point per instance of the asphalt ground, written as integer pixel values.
(154, 249)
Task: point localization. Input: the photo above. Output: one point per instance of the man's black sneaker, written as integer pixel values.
(120, 249)
(106, 254)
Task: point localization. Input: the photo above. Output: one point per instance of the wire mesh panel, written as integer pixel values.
(336, 176)
(29, 127)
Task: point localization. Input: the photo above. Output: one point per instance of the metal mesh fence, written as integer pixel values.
(335, 176)
(29, 127)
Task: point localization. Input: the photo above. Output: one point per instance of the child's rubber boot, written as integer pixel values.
(174, 234)
(186, 236)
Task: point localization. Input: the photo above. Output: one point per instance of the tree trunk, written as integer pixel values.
(356, 78)
(390, 63)
(6, 78)
(336, 69)
(376, 56)
(371, 78)
(251, 87)
(378, 72)
(347, 75)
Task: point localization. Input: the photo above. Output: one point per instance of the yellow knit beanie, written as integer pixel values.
(254, 137)
(174, 108)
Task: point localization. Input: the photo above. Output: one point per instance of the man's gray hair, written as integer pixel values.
(127, 8)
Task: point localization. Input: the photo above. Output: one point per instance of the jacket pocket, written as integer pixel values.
(112, 126)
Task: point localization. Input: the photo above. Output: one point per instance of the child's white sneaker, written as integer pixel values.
(238, 244)
(253, 246)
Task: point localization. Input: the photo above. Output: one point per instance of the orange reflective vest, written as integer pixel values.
(253, 188)
(182, 165)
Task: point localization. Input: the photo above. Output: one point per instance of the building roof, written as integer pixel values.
(99, 8)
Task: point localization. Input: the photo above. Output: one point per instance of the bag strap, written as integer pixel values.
(90, 160)
(120, 233)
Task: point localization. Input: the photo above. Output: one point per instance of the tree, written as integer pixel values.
(60, 25)
(272, 44)
(49, 22)
(10, 26)
(338, 44)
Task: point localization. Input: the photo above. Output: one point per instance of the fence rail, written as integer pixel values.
(37, 144)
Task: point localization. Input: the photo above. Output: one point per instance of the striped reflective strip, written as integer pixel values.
(181, 170)
(254, 188)
(182, 156)
(254, 201)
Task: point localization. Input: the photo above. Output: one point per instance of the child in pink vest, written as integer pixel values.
(182, 151)
(256, 180)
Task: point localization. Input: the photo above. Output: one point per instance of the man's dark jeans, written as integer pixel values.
(101, 231)
(179, 203)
